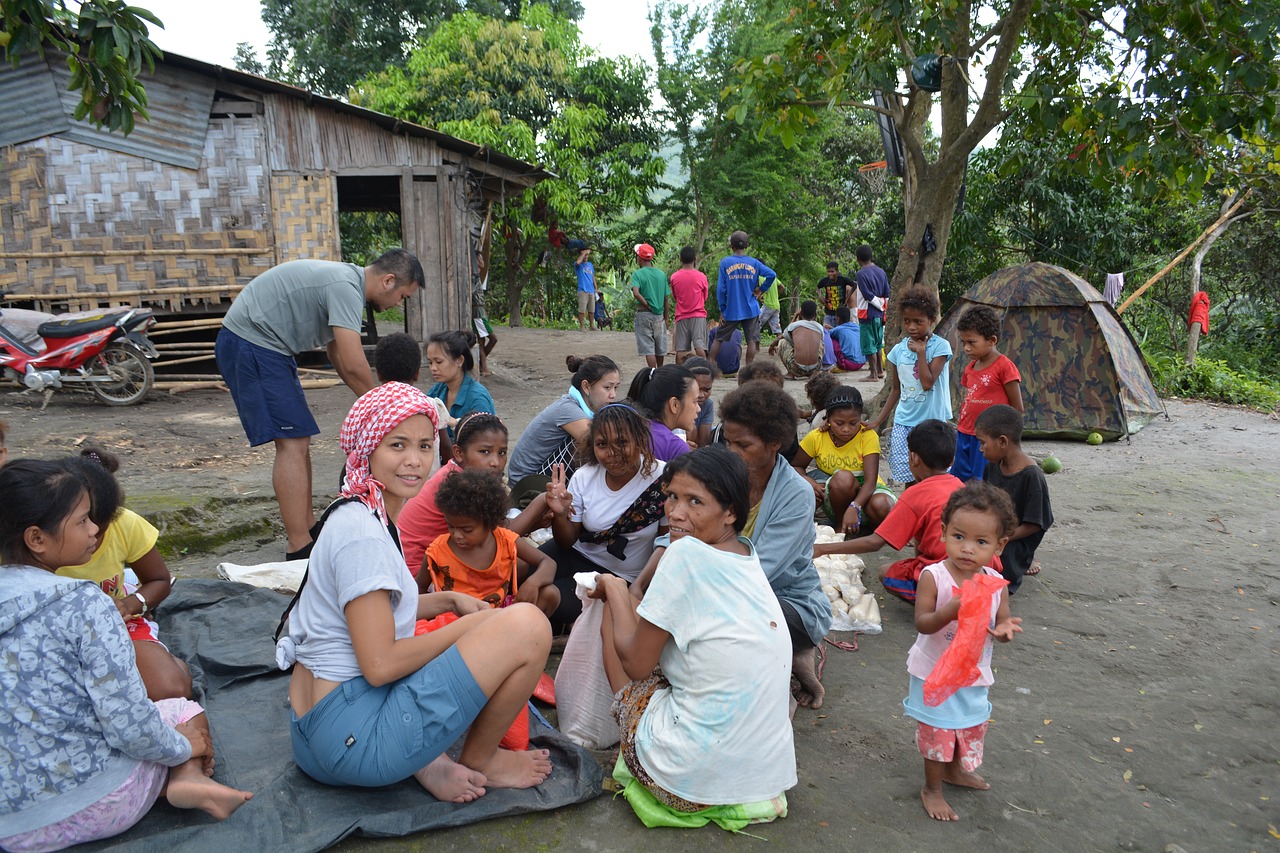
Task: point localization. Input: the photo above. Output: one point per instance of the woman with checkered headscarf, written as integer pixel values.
(373, 704)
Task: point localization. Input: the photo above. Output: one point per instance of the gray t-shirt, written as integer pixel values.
(291, 308)
(543, 437)
(354, 555)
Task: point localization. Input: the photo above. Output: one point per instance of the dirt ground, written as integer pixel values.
(1138, 711)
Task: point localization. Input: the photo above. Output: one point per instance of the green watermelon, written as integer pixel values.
(1051, 464)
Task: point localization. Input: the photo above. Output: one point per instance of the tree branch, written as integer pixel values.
(989, 113)
(994, 31)
(856, 104)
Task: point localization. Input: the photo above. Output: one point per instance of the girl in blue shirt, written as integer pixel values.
(920, 378)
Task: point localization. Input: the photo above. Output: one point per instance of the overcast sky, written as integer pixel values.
(211, 31)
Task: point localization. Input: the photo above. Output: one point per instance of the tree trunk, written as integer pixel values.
(514, 248)
(1197, 268)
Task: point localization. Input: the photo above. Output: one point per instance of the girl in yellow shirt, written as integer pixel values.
(845, 453)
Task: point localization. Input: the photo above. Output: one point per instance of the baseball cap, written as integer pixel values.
(738, 239)
(645, 252)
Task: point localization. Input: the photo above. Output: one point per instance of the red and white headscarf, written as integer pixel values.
(370, 419)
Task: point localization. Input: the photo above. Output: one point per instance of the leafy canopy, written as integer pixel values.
(1146, 87)
(329, 45)
(106, 45)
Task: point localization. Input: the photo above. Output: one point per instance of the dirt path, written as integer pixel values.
(1139, 709)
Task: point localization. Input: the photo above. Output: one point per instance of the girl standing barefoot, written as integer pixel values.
(976, 524)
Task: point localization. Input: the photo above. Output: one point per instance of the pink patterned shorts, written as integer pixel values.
(116, 812)
(940, 744)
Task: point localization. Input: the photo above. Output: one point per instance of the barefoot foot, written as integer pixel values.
(936, 806)
(450, 782)
(197, 791)
(507, 769)
(803, 667)
(964, 779)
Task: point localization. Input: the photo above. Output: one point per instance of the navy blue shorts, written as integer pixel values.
(969, 463)
(265, 388)
(372, 736)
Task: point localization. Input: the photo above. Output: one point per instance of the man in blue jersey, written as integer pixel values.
(742, 280)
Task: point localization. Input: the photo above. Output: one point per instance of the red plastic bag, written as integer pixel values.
(517, 737)
(958, 666)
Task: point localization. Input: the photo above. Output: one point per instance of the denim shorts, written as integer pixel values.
(368, 736)
(265, 388)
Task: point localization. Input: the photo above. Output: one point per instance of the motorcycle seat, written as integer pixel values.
(79, 326)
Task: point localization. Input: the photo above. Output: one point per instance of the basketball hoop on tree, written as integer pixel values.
(873, 175)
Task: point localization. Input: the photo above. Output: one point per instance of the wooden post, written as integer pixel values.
(1181, 255)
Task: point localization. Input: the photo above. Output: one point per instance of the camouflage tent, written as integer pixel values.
(1082, 371)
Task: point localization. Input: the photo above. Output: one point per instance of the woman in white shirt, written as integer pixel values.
(606, 516)
(712, 726)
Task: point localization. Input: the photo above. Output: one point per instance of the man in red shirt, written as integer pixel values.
(690, 288)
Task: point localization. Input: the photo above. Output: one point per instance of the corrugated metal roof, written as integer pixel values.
(483, 153)
(29, 105)
(178, 102)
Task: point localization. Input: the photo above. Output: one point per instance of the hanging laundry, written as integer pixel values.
(1200, 312)
(1115, 284)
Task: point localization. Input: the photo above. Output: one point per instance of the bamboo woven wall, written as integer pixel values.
(306, 217)
(102, 228)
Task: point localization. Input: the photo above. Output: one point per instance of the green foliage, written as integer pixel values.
(1211, 379)
(330, 45)
(801, 206)
(106, 47)
(366, 234)
(528, 88)
(1145, 89)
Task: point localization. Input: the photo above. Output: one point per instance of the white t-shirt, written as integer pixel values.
(721, 734)
(598, 508)
(354, 555)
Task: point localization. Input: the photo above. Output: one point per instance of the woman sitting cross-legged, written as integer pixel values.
(372, 703)
(702, 666)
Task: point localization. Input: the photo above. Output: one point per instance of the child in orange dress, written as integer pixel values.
(480, 557)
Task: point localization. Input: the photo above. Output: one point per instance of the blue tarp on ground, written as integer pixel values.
(223, 630)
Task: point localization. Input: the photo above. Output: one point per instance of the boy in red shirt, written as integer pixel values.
(991, 379)
(917, 516)
(690, 289)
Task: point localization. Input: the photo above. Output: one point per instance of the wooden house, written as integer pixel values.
(233, 174)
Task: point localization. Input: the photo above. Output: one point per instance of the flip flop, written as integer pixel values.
(546, 690)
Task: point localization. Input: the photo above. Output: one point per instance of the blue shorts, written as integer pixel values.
(969, 463)
(372, 736)
(265, 388)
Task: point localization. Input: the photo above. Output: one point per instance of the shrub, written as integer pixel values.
(1211, 379)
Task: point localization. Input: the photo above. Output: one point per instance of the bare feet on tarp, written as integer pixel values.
(507, 769)
(804, 667)
(189, 788)
(450, 782)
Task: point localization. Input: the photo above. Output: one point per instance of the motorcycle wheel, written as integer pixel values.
(130, 372)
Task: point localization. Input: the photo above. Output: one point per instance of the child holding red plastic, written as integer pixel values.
(976, 524)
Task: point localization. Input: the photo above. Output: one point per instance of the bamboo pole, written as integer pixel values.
(131, 253)
(1183, 254)
(179, 325)
(205, 357)
(123, 294)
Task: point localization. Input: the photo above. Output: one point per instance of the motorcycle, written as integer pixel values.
(106, 352)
